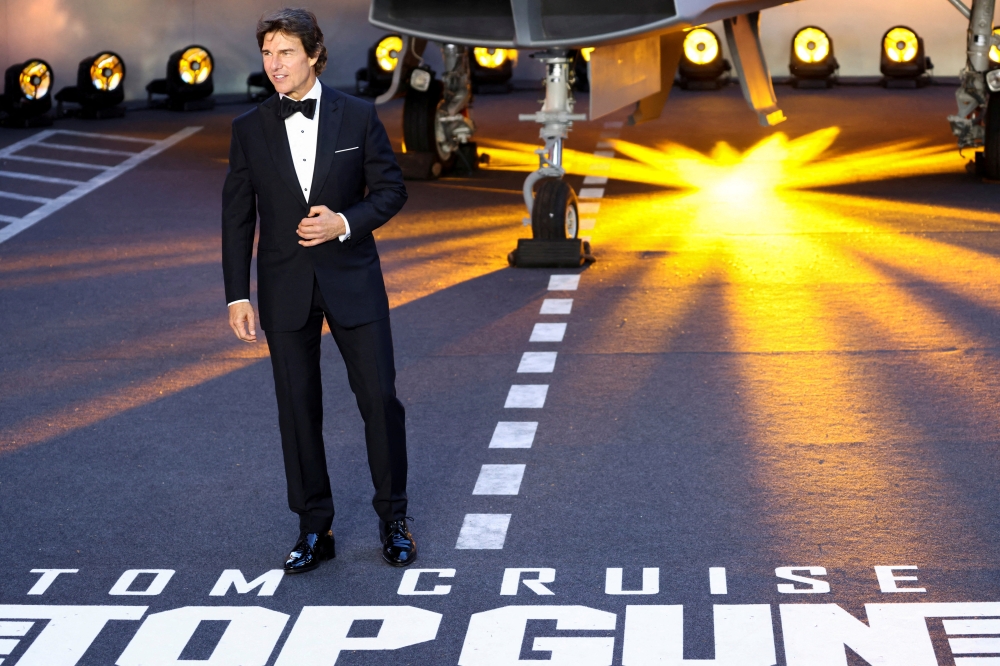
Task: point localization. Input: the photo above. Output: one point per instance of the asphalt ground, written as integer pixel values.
(785, 356)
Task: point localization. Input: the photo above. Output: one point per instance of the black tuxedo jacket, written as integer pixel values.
(353, 154)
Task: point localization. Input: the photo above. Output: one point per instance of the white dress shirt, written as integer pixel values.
(303, 135)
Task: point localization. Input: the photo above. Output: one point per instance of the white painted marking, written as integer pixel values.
(564, 282)
(887, 580)
(650, 581)
(816, 586)
(111, 137)
(15, 628)
(977, 661)
(548, 333)
(588, 207)
(614, 124)
(41, 179)
(600, 166)
(483, 531)
(717, 580)
(604, 153)
(514, 435)
(8, 218)
(607, 144)
(64, 640)
(744, 636)
(63, 163)
(48, 577)
(587, 224)
(160, 579)
(267, 583)
(526, 396)
(969, 627)
(512, 581)
(109, 173)
(537, 362)
(499, 480)
(7, 645)
(408, 585)
(86, 149)
(974, 645)
(591, 193)
(595, 180)
(556, 306)
(23, 197)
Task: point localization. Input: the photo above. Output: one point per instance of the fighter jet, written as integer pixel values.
(634, 49)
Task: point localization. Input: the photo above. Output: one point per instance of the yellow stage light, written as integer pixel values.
(195, 65)
(35, 79)
(994, 51)
(387, 52)
(812, 45)
(107, 72)
(585, 53)
(489, 58)
(701, 46)
(900, 44)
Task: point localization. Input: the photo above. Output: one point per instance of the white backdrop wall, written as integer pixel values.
(145, 32)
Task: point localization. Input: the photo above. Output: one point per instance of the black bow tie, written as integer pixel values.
(289, 107)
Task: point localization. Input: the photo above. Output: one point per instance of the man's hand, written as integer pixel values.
(242, 321)
(321, 226)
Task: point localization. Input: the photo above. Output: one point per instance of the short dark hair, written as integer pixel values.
(299, 23)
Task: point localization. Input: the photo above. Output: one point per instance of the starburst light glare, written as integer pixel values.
(387, 52)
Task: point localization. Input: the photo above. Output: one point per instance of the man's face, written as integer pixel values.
(287, 64)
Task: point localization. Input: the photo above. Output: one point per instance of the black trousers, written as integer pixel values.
(367, 352)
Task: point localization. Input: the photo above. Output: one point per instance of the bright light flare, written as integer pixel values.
(35, 79)
(701, 46)
(387, 52)
(195, 65)
(812, 45)
(490, 58)
(586, 52)
(900, 44)
(107, 72)
(994, 51)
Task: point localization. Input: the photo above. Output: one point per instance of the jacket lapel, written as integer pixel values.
(331, 114)
(277, 144)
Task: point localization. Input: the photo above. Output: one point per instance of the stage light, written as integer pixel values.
(702, 66)
(26, 94)
(99, 89)
(383, 58)
(585, 53)
(904, 64)
(994, 51)
(812, 63)
(492, 69)
(188, 85)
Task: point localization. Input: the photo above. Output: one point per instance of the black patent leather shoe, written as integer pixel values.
(398, 547)
(311, 549)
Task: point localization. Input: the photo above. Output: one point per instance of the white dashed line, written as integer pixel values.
(588, 207)
(537, 362)
(587, 224)
(595, 180)
(526, 396)
(483, 531)
(717, 580)
(556, 306)
(606, 144)
(548, 333)
(514, 435)
(604, 153)
(499, 480)
(564, 282)
(592, 193)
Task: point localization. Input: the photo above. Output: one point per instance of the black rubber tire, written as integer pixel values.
(418, 118)
(991, 145)
(553, 200)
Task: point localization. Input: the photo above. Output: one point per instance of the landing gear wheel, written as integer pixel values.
(419, 111)
(991, 149)
(554, 215)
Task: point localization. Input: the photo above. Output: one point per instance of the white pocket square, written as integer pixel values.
(344, 150)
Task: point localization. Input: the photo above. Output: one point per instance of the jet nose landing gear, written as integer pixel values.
(552, 205)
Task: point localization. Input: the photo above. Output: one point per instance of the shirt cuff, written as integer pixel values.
(241, 300)
(347, 226)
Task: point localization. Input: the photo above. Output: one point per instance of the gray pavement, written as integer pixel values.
(785, 357)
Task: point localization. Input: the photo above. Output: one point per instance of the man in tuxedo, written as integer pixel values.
(318, 169)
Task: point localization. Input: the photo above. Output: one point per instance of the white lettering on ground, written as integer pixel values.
(514, 435)
(160, 579)
(744, 636)
(887, 579)
(408, 585)
(717, 581)
(320, 633)
(248, 639)
(512, 581)
(815, 586)
(267, 583)
(650, 581)
(494, 637)
(48, 577)
(69, 632)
